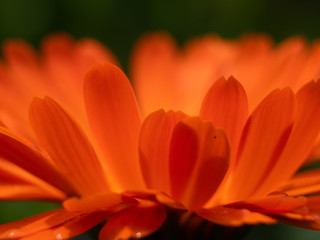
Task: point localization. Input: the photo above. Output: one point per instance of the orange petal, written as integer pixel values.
(154, 146)
(306, 182)
(20, 153)
(314, 203)
(134, 222)
(314, 155)
(302, 139)
(152, 68)
(97, 202)
(234, 217)
(199, 159)
(34, 224)
(68, 146)
(263, 139)
(114, 117)
(226, 106)
(22, 70)
(19, 55)
(57, 224)
(16, 183)
(26, 191)
(71, 227)
(275, 203)
(308, 217)
(89, 52)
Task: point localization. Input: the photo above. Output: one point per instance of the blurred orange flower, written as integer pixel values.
(194, 141)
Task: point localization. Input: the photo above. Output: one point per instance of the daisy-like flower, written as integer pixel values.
(194, 141)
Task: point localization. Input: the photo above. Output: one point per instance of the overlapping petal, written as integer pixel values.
(199, 159)
(21, 153)
(154, 146)
(67, 146)
(135, 222)
(263, 139)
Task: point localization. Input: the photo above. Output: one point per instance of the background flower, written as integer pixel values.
(118, 23)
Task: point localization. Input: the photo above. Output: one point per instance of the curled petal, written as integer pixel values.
(154, 147)
(199, 159)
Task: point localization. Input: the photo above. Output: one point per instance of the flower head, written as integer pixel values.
(194, 141)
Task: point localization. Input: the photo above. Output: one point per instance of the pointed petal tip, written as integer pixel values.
(199, 159)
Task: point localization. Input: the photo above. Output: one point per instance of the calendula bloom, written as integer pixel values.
(194, 141)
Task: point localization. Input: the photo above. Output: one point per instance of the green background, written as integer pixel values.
(118, 24)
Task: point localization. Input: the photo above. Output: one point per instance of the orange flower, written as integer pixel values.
(225, 150)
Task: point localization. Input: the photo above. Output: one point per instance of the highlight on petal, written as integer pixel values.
(226, 106)
(68, 146)
(115, 121)
(199, 159)
(135, 222)
(263, 139)
(154, 144)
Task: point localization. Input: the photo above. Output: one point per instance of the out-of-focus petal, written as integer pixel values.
(264, 137)
(26, 191)
(22, 154)
(135, 222)
(226, 106)
(199, 159)
(68, 146)
(20, 71)
(114, 117)
(303, 137)
(153, 76)
(154, 144)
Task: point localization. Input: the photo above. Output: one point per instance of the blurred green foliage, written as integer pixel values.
(118, 24)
